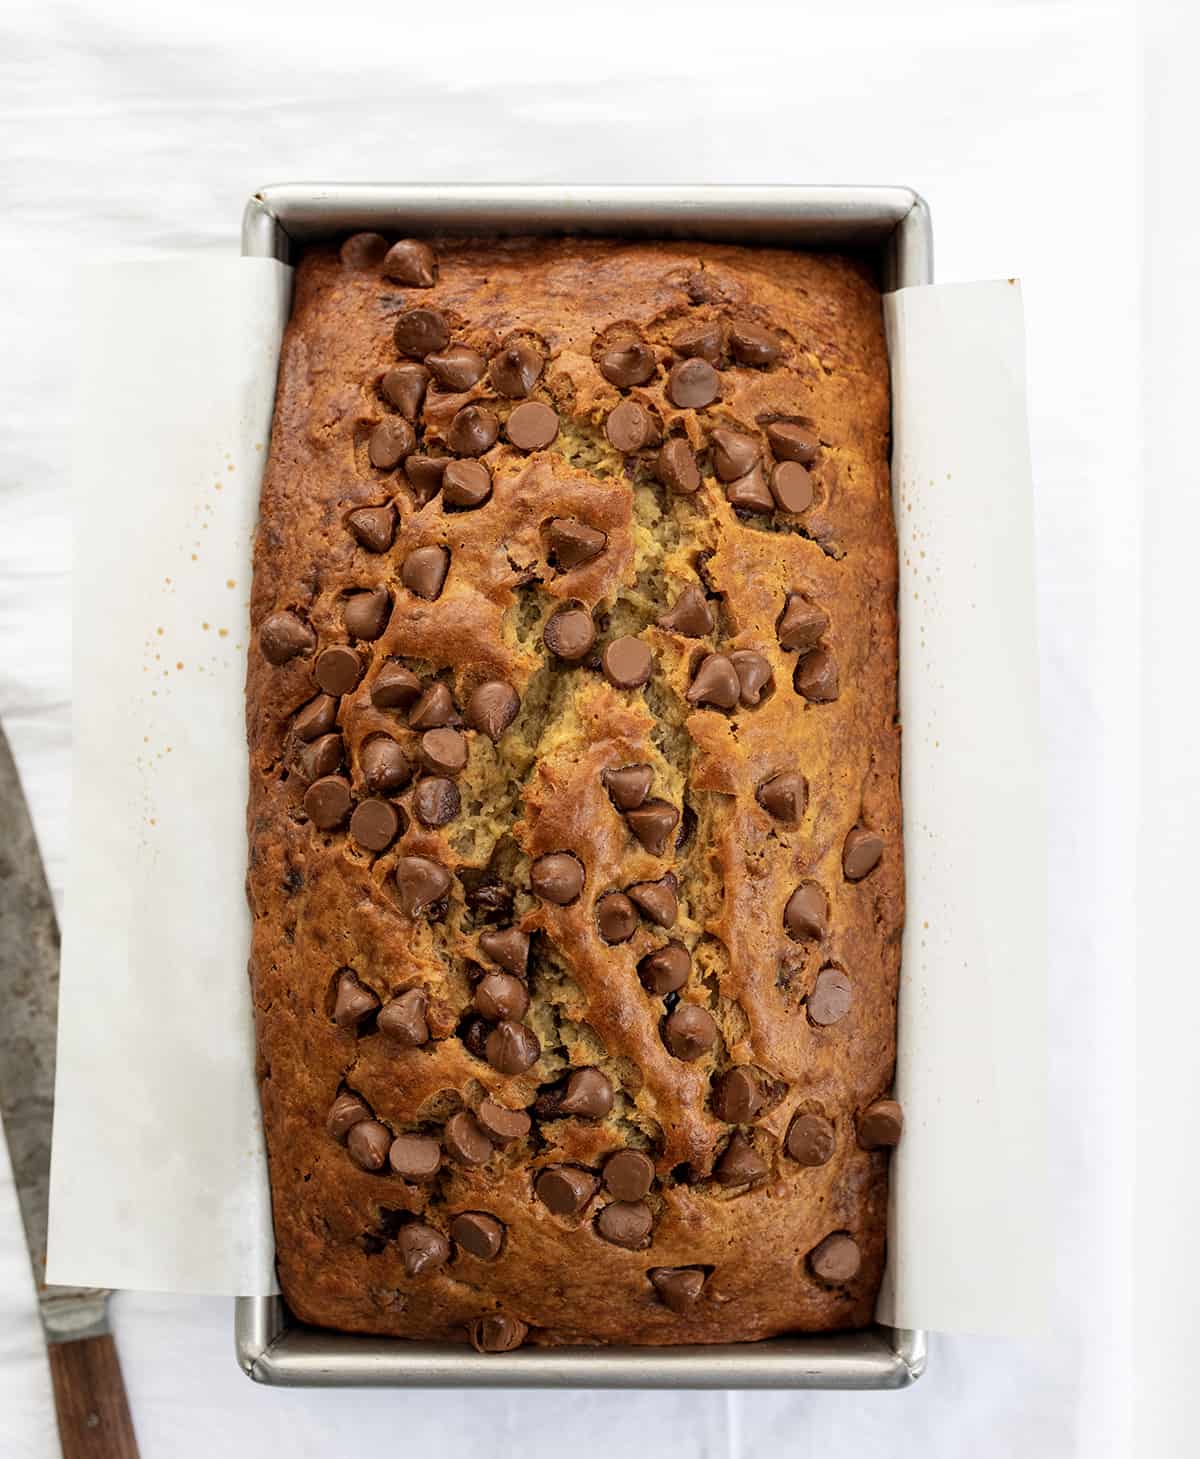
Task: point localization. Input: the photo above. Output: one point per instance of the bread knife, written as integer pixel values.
(89, 1393)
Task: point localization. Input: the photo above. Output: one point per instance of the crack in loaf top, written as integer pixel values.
(574, 820)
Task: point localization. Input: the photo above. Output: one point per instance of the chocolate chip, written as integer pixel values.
(500, 1123)
(689, 615)
(816, 677)
(589, 1094)
(699, 341)
(652, 823)
(532, 425)
(368, 1144)
(373, 527)
(784, 796)
(466, 484)
(792, 487)
(658, 900)
(395, 687)
(678, 1287)
(829, 1000)
(810, 1140)
(337, 670)
(415, 1157)
(629, 786)
(444, 751)
(508, 947)
(283, 636)
(806, 915)
(390, 442)
(436, 801)
(570, 633)
(477, 1234)
(384, 765)
(404, 386)
(572, 542)
(750, 344)
(499, 996)
(737, 1096)
(424, 476)
(425, 570)
(689, 1031)
(861, 853)
(496, 1333)
(512, 1047)
(492, 707)
(675, 466)
(626, 1223)
(801, 624)
(353, 1002)
(557, 877)
(489, 899)
(346, 1111)
(740, 1164)
(693, 384)
(323, 757)
(880, 1125)
(327, 802)
(413, 263)
(420, 883)
(422, 1248)
(792, 443)
(420, 332)
(629, 361)
(666, 969)
(754, 675)
(473, 431)
(474, 1033)
(616, 917)
(366, 614)
(716, 682)
(836, 1259)
(402, 1019)
(629, 427)
(465, 1141)
(456, 368)
(515, 370)
(628, 1175)
(564, 1189)
(627, 663)
(433, 709)
(374, 824)
(363, 250)
(750, 493)
(733, 454)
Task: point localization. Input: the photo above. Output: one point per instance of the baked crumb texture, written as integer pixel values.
(575, 858)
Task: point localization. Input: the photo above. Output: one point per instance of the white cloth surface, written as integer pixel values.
(143, 128)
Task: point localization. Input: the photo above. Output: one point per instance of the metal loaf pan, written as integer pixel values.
(889, 222)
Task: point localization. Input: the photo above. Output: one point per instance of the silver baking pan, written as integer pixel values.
(892, 223)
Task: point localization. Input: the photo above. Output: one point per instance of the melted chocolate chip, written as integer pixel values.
(402, 1019)
(373, 527)
(422, 1248)
(395, 687)
(657, 900)
(737, 1096)
(390, 442)
(557, 877)
(801, 624)
(836, 1259)
(629, 786)
(353, 1001)
(689, 1031)
(666, 969)
(492, 707)
(444, 751)
(792, 442)
(806, 915)
(509, 948)
(754, 675)
(830, 999)
(415, 1157)
(810, 1140)
(317, 717)
(784, 797)
(733, 454)
(699, 341)
(363, 251)
(816, 677)
(477, 1234)
(420, 883)
(572, 543)
(740, 1163)
(564, 1189)
(693, 384)
(346, 1111)
(327, 802)
(750, 344)
(499, 996)
(436, 801)
(456, 368)
(419, 332)
(411, 262)
(405, 387)
(424, 476)
(880, 1125)
(630, 361)
(570, 633)
(366, 614)
(474, 430)
(616, 917)
(792, 487)
(368, 1144)
(465, 1141)
(626, 1223)
(384, 766)
(589, 1095)
(322, 757)
(501, 1124)
(466, 484)
(474, 1033)
(496, 1333)
(628, 1175)
(716, 682)
(627, 663)
(861, 853)
(374, 824)
(515, 370)
(532, 425)
(675, 466)
(629, 427)
(690, 614)
(678, 1288)
(425, 570)
(433, 709)
(337, 670)
(283, 636)
(652, 823)
(750, 493)
(512, 1047)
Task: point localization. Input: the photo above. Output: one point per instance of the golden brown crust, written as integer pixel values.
(321, 904)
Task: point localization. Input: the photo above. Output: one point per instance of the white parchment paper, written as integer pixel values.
(158, 1179)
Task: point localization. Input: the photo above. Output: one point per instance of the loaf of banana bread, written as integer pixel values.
(575, 845)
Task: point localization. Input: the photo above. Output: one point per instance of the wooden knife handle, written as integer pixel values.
(89, 1393)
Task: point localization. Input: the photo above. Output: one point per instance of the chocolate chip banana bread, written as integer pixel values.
(575, 858)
